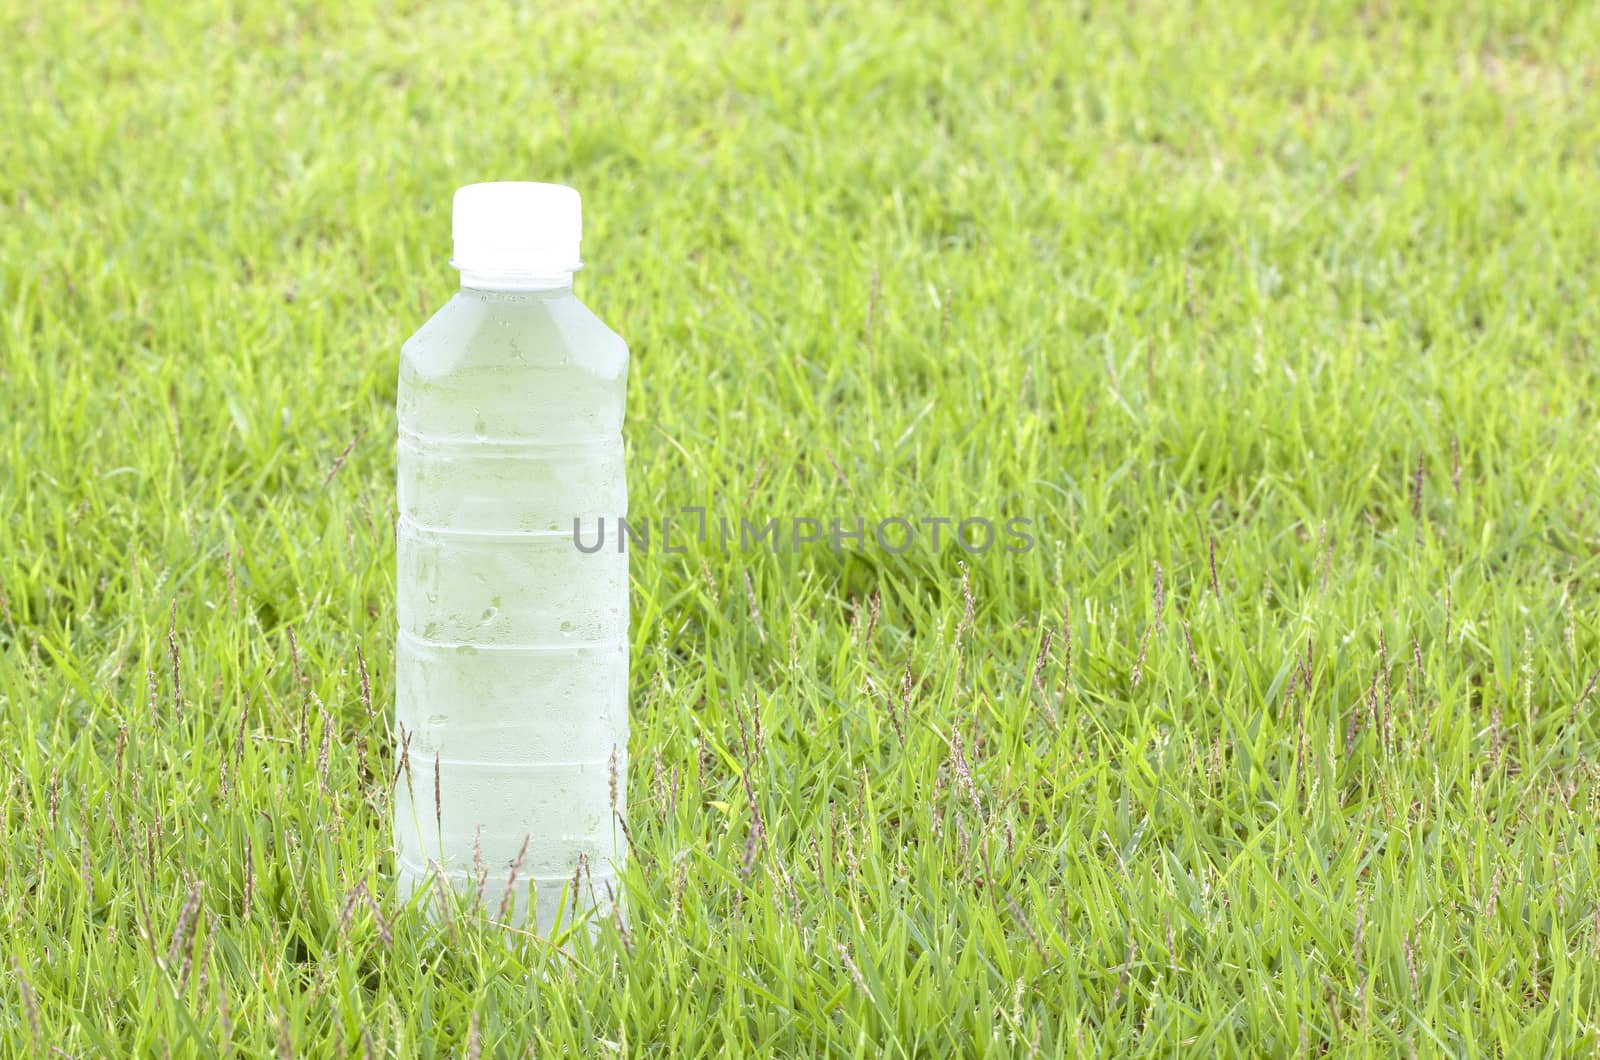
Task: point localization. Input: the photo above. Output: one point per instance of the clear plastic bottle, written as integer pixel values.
(511, 665)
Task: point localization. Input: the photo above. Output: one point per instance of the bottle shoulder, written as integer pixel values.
(532, 366)
(506, 330)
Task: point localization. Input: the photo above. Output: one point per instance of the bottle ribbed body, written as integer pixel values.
(511, 658)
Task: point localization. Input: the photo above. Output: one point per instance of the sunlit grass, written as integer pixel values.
(1279, 326)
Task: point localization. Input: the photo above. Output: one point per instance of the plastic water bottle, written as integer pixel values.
(511, 665)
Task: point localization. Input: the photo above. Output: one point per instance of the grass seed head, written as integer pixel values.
(30, 1004)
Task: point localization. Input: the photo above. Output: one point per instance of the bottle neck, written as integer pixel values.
(489, 278)
(484, 281)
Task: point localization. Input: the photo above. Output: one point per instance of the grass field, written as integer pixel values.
(1278, 320)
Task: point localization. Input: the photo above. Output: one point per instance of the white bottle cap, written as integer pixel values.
(517, 228)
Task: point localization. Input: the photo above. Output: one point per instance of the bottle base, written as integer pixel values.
(556, 907)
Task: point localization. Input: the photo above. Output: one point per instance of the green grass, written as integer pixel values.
(1307, 288)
